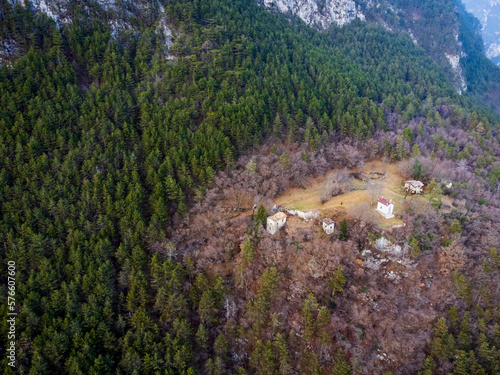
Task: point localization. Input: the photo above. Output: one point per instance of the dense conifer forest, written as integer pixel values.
(108, 143)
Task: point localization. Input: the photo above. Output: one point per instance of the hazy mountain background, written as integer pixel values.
(488, 13)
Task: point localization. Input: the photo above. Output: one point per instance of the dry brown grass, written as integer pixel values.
(338, 207)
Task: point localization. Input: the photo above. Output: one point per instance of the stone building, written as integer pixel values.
(413, 187)
(275, 222)
(328, 225)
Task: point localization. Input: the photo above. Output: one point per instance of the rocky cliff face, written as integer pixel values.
(319, 13)
(454, 61)
(117, 14)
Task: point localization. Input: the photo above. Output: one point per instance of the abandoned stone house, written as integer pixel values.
(413, 187)
(328, 225)
(275, 222)
(385, 208)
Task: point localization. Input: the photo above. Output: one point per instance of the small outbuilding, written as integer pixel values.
(275, 222)
(385, 208)
(448, 184)
(413, 187)
(328, 225)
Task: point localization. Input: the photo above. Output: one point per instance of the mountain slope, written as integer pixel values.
(488, 13)
(483, 76)
(433, 25)
(111, 137)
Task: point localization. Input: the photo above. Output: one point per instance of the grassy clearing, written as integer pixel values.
(310, 198)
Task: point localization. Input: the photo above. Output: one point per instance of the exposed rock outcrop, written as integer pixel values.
(320, 14)
(117, 14)
(454, 61)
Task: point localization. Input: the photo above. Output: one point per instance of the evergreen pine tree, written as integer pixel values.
(341, 367)
(338, 280)
(414, 248)
(415, 151)
(461, 365)
(453, 317)
(400, 151)
(475, 368)
(202, 337)
(248, 253)
(495, 258)
(285, 161)
(251, 167)
(440, 332)
(344, 230)
(455, 227)
(418, 169)
(434, 191)
(283, 354)
(277, 126)
(420, 129)
(429, 366)
(261, 216)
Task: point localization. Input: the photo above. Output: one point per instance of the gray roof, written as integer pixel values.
(415, 183)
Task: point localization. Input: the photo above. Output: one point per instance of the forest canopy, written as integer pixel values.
(108, 140)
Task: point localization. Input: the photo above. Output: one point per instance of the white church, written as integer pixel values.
(385, 208)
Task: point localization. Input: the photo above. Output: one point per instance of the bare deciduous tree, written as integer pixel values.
(461, 169)
(374, 189)
(337, 183)
(170, 250)
(452, 258)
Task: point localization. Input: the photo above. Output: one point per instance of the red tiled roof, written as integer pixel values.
(278, 216)
(384, 201)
